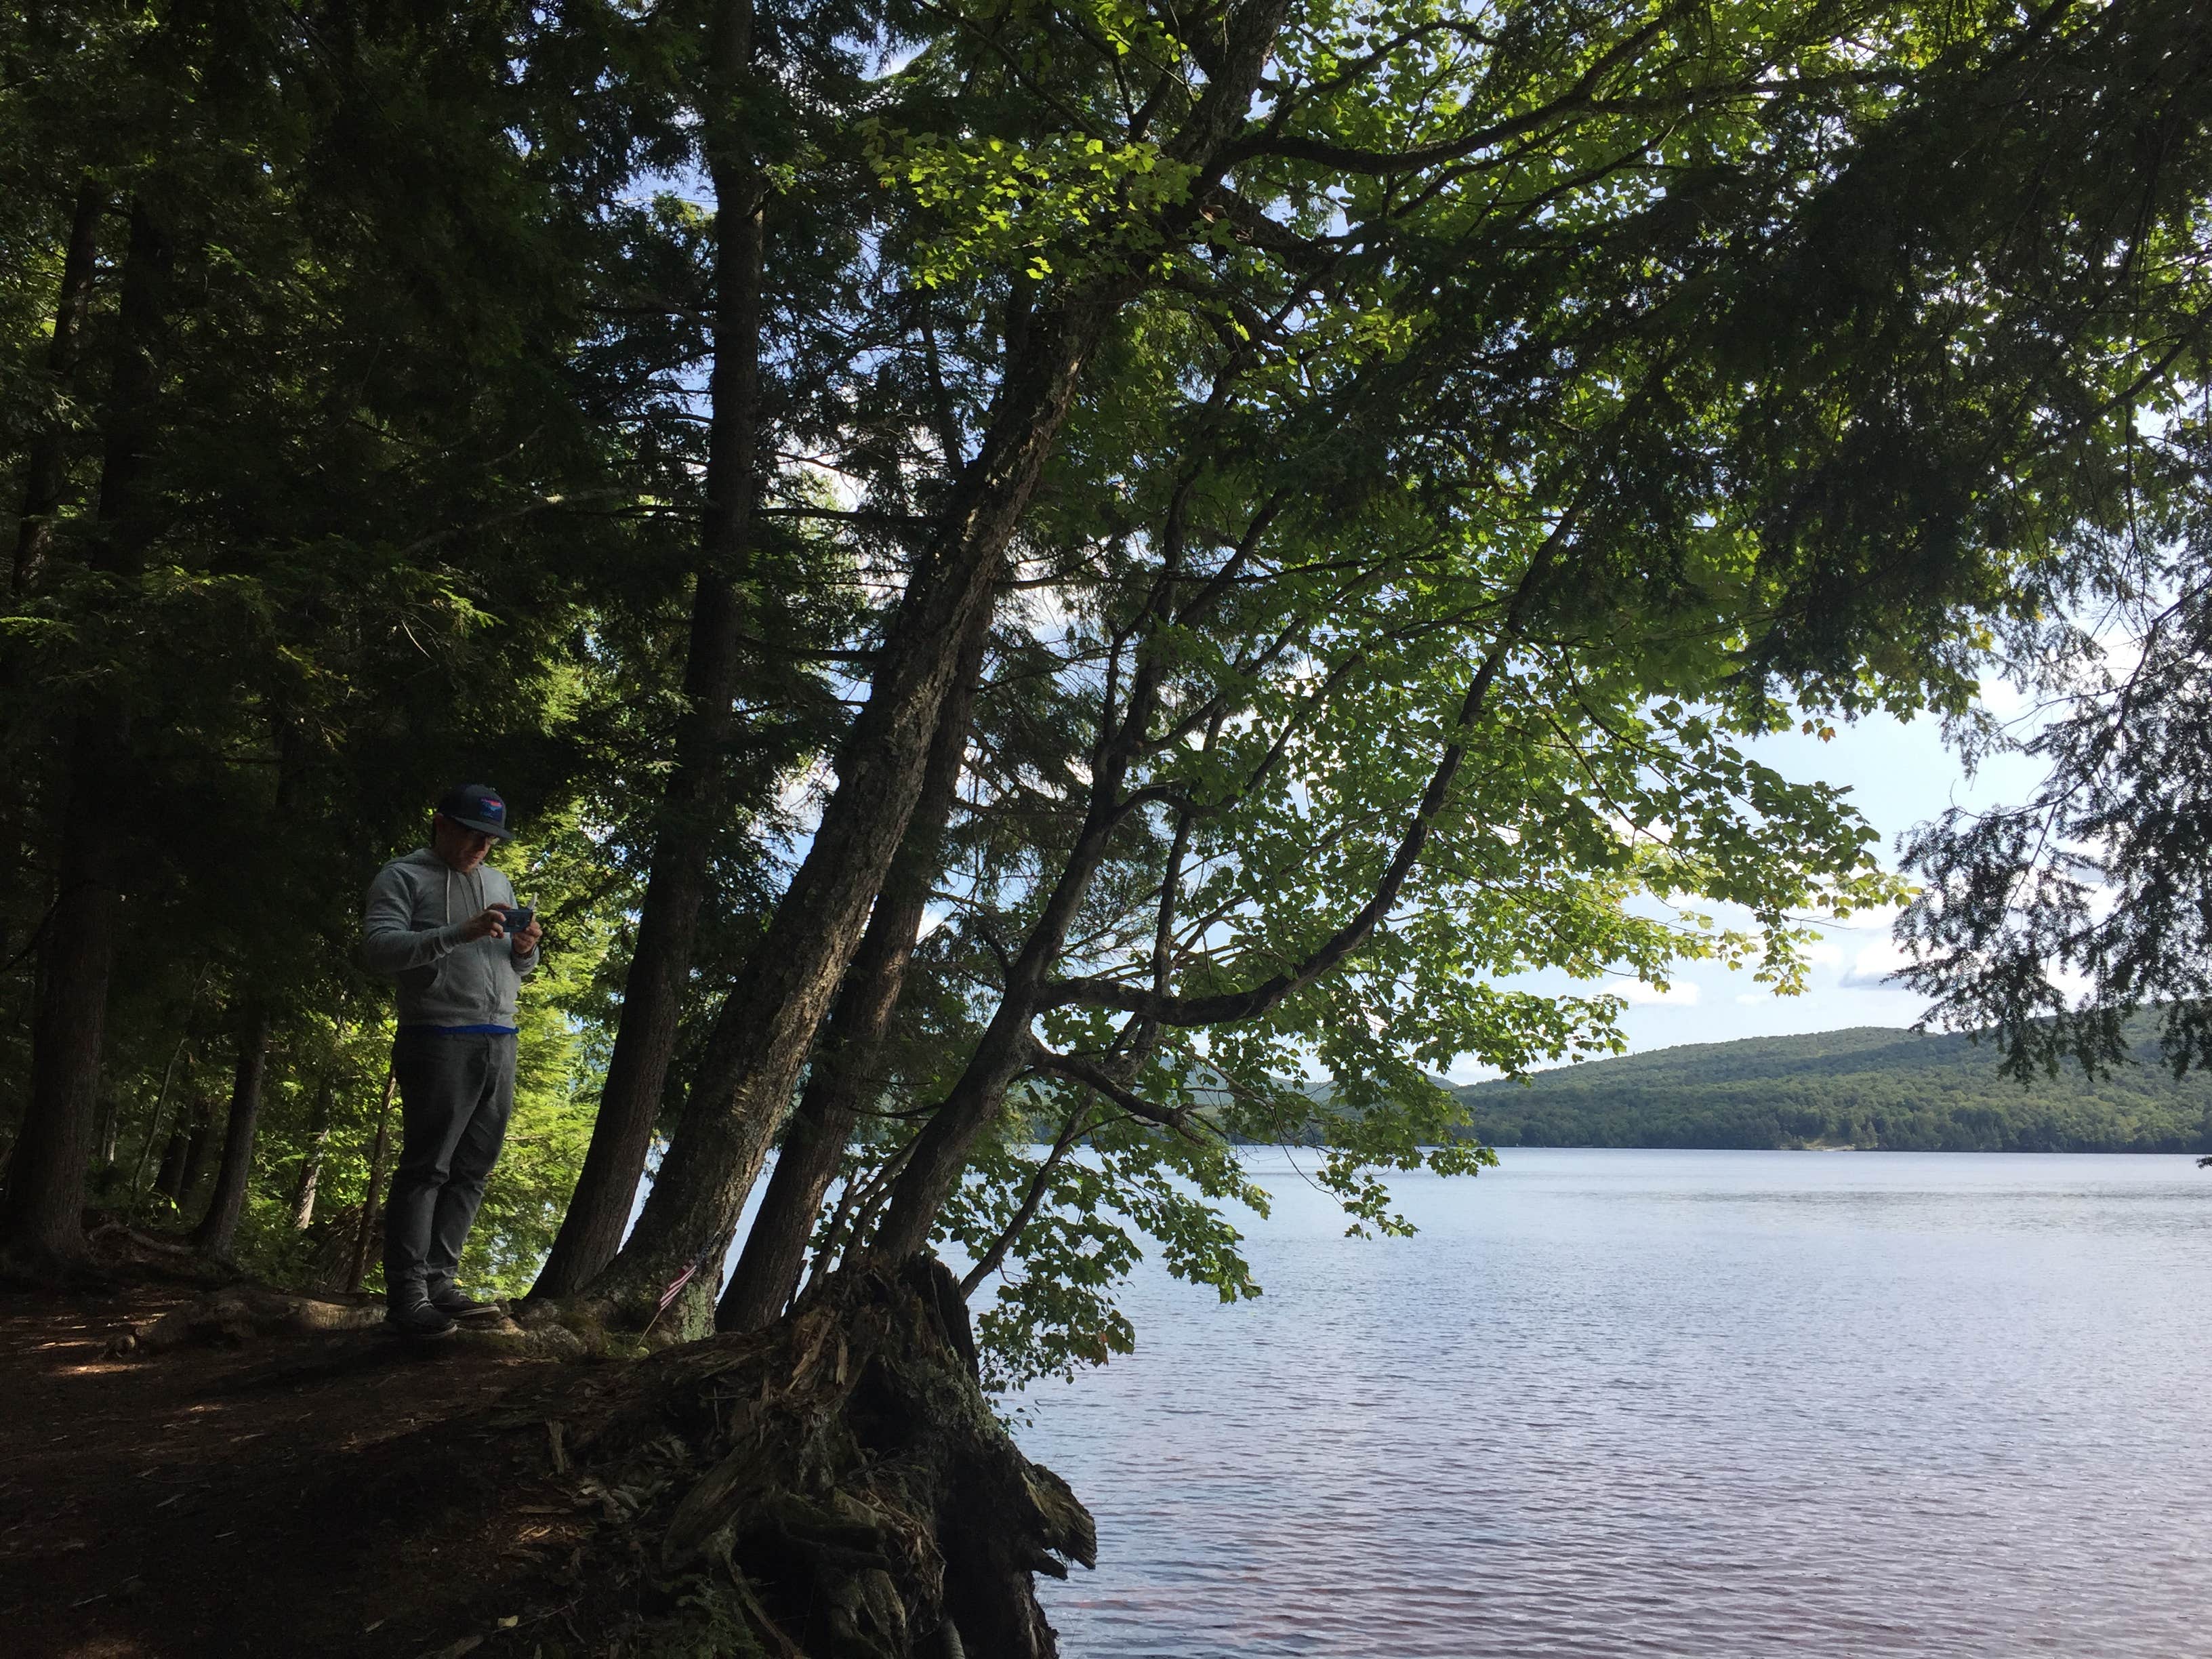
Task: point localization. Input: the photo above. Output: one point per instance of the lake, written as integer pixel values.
(1668, 1402)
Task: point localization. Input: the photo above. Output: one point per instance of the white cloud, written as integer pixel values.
(1879, 920)
(1871, 968)
(2074, 984)
(1681, 994)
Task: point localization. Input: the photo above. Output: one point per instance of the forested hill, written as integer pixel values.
(1870, 1086)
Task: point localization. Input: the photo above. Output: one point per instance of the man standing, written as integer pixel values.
(442, 922)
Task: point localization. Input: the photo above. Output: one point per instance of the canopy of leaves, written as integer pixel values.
(1493, 420)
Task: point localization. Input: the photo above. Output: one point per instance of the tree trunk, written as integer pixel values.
(365, 1236)
(697, 796)
(169, 1174)
(767, 1023)
(41, 1220)
(311, 1168)
(846, 1073)
(46, 470)
(103, 1138)
(318, 1136)
(185, 1160)
(218, 1228)
(941, 1150)
(199, 1153)
(162, 1097)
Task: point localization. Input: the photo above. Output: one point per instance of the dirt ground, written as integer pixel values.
(204, 1501)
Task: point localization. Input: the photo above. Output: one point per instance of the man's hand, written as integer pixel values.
(489, 923)
(526, 941)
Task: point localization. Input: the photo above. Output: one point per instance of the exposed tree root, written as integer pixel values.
(114, 1254)
(243, 1312)
(24, 1267)
(835, 1486)
(238, 1313)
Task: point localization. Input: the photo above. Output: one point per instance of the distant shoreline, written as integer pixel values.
(2077, 1152)
(1865, 1089)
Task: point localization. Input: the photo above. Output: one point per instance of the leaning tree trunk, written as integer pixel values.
(218, 1228)
(768, 1021)
(941, 1150)
(42, 1218)
(697, 796)
(846, 1072)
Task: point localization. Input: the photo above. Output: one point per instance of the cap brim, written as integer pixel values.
(496, 831)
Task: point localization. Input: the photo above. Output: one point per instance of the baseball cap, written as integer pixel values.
(477, 805)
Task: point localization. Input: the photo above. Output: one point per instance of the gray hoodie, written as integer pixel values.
(411, 931)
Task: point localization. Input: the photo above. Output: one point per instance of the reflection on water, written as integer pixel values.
(1666, 1402)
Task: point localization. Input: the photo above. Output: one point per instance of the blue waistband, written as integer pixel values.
(462, 1031)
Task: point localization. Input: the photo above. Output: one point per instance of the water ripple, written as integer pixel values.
(1614, 1403)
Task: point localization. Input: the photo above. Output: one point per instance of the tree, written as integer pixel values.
(250, 575)
(747, 124)
(1650, 285)
(1124, 578)
(2051, 923)
(2048, 924)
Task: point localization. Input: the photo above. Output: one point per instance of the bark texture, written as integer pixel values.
(696, 800)
(836, 1485)
(765, 1026)
(769, 1021)
(847, 1073)
(41, 1216)
(45, 469)
(369, 1232)
(311, 1162)
(218, 1229)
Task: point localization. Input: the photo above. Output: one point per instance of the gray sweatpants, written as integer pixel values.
(456, 1093)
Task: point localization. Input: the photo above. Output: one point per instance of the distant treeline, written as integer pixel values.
(1869, 1087)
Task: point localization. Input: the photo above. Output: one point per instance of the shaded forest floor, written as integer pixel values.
(193, 1503)
(835, 1484)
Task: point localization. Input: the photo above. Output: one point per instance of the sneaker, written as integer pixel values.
(419, 1320)
(449, 1300)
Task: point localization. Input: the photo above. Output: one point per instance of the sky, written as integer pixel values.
(1899, 774)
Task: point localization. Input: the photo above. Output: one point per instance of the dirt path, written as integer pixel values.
(189, 1503)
